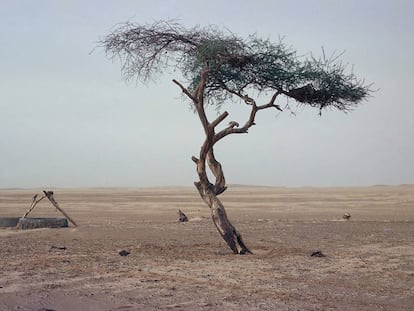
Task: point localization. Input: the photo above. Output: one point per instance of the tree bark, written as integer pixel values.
(219, 216)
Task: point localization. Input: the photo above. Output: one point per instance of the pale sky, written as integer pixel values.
(69, 120)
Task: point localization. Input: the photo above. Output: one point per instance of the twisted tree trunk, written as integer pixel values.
(209, 193)
(206, 189)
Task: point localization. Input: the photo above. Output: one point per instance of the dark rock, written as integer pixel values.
(317, 253)
(182, 216)
(124, 253)
(53, 247)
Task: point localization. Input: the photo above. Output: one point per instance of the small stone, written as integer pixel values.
(54, 247)
(182, 216)
(124, 253)
(317, 253)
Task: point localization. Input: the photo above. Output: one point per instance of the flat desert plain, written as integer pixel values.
(369, 262)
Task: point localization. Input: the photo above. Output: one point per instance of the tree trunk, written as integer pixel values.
(209, 193)
(219, 216)
(207, 190)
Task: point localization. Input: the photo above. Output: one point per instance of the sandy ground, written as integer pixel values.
(369, 263)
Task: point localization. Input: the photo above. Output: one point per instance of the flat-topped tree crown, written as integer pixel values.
(234, 64)
(219, 66)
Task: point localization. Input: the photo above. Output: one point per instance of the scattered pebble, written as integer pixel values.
(124, 253)
(54, 247)
(317, 253)
(182, 217)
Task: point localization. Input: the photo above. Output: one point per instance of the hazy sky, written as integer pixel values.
(69, 120)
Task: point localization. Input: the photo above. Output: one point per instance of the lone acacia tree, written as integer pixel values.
(220, 66)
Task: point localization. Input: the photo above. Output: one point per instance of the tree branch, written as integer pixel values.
(185, 91)
(272, 101)
(250, 122)
(199, 103)
(199, 92)
(219, 119)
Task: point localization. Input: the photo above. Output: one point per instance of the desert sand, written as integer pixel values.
(368, 263)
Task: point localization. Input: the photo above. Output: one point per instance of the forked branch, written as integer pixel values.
(231, 129)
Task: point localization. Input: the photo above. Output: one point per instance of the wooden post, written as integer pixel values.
(33, 204)
(49, 195)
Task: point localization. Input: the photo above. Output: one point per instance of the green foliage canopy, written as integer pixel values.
(234, 64)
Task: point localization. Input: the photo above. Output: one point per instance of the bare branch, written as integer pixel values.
(250, 122)
(203, 83)
(219, 119)
(199, 95)
(185, 91)
(233, 124)
(273, 99)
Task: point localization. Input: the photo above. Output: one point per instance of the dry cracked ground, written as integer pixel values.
(368, 263)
